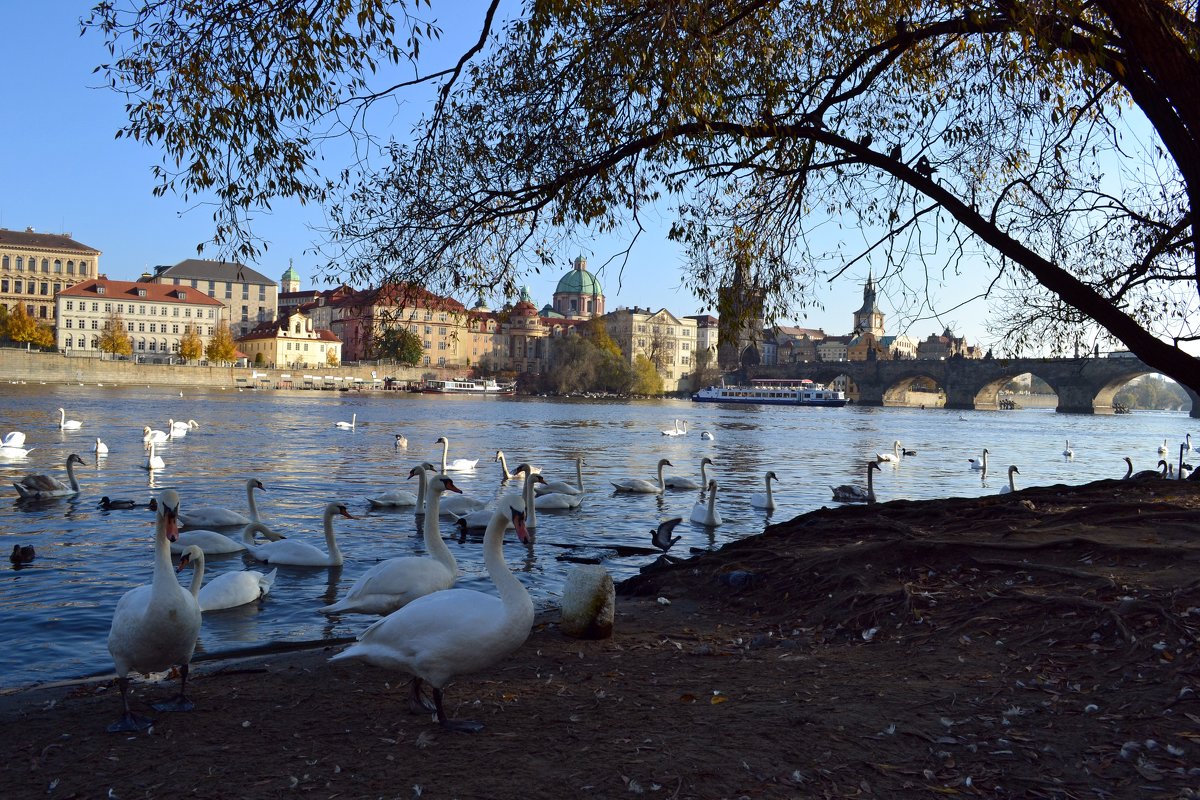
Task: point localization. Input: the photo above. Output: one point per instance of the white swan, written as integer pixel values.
(456, 631)
(348, 426)
(1162, 450)
(680, 482)
(1067, 451)
(765, 500)
(101, 448)
(676, 431)
(218, 517)
(479, 520)
(893, 456)
(641, 485)
(44, 487)
(554, 501)
(67, 424)
(157, 436)
(508, 476)
(191, 424)
(176, 430)
(562, 487)
(397, 498)
(214, 543)
(1012, 486)
(707, 435)
(16, 439)
(396, 582)
(706, 513)
(13, 446)
(851, 493)
(458, 464)
(155, 626)
(153, 461)
(457, 506)
(981, 462)
(229, 589)
(1184, 469)
(295, 553)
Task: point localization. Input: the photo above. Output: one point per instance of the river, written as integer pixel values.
(55, 612)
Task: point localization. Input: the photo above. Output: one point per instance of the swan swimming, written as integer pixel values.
(765, 500)
(348, 426)
(153, 461)
(562, 487)
(641, 485)
(157, 436)
(1151, 474)
(458, 464)
(1067, 451)
(218, 517)
(396, 498)
(155, 625)
(1012, 486)
(706, 513)
(454, 632)
(101, 448)
(508, 476)
(13, 445)
(67, 424)
(44, 487)
(707, 435)
(680, 482)
(889, 457)
(981, 462)
(214, 543)
(227, 590)
(851, 493)
(13, 439)
(296, 553)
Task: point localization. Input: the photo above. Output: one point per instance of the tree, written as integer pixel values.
(191, 346)
(24, 329)
(400, 343)
(3, 321)
(115, 339)
(331, 357)
(960, 138)
(221, 348)
(646, 379)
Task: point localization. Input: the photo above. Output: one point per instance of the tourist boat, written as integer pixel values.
(468, 386)
(773, 392)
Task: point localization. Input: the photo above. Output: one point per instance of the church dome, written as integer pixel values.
(579, 281)
(291, 274)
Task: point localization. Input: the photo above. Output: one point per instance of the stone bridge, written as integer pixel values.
(1083, 385)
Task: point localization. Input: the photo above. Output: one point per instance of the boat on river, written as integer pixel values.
(774, 392)
(469, 386)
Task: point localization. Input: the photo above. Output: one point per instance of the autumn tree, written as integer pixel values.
(646, 379)
(400, 343)
(3, 321)
(115, 339)
(25, 329)
(331, 358)
(191, 346)
(221, 347)
(1046, 152)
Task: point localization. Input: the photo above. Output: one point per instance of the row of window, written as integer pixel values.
(28, 287)
(140, 310)
(154, 346)
(6, 263)
(212, 289)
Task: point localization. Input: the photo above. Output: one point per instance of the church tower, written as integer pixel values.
(869, 319)
(290, 282)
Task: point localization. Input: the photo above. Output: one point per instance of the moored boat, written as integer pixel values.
(468, 386)
(773, 392)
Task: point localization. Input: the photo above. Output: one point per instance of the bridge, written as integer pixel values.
(1083, 385)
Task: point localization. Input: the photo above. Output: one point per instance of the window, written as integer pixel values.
(194, 283)
(70, 305)
(129, 326)
(262, 294)
(141, 327)
(174, 329)
(68, 323)
(187, 312)
(43, 311)
(245, 291)
(442, 361)
(175, 310)
(153, 346)
(17, 286)
(57, 266)
(70, 266)
(427, 347)
(4, 285)
(45, 288)
(67, 342)
(245, 313)
(95, 324)
(95, 307)
(20, 263)
(108, 308)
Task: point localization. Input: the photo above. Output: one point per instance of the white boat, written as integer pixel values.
(773, 392)
(468, 386)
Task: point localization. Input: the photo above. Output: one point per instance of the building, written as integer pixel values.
(833, 348)
(155, 315)
(440, 322)
(517, 339)
(946, 346)
(35, 267)
(578, 293)
(249, 297)
(290, 281)
(869, 319)
(792, 344)
(668, 341)
(291, 341)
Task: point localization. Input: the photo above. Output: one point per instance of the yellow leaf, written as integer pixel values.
(717, 699)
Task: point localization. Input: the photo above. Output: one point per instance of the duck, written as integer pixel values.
(458, 464)
(661, 536)
(396, 582)
(44, 487)
(67, 424)
(454, 632)
(401, 442)
(765, 499)
(116, 503)
(641, 485)
(508, 476)
(296, 553)
(217, 517)
(101, 449)
(348, 426)
(22, 554)
(397, 498)
(981, 462)
(1011, 486)
(153, 435)
(706, 435)
(153, 461)
(680, 482)
(1067, 451)
(227, 590)
(851, 493)
(562, 487)
(155, 626)
(904, 451)
(893, 456)
(706, 513)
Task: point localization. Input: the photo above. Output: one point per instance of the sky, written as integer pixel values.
(64, 172)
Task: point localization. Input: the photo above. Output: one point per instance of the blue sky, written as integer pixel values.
(64, 172)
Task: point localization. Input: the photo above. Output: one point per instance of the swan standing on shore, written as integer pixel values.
(348, 426)
(641, 485)
(218, 517)
(67, 424)
(851, 493)
(155, 625)
(296, 553)
(396, 582)
(679, 482)
(227, 590)
(706, 513)
(1012, 486)
(765, 500)
(44, 487)
(454, 632)
(458, 464)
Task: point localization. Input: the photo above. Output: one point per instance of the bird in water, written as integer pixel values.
(22, 554)
(661, 535)
(401, 442)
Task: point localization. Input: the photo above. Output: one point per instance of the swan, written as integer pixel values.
(481, 518)
(1143, 474)
(676, 431)
(401, 442)
(300, 554)
(155, 436)
(980, 463)
(396, 582)
(13, 439)
(191, 424)
(679, 482)
(15, 451)
(508, 476)
(643, 486)
(1012, 486)
(706, 513)
(44, 487)
(458, 464)
(765, 500)
(397, 498)
(154, 461)
(850, 493)
(453, 632)
(155, 625)
(101, 448)
(67, 424)
(1067, 451)
(176, 430)
(214, 543)
(661, 536)
(1162, 449)
(707, 435)
(1184, 469)
(884, 458)
(348, 426)
(217, 517)
(554, 501)
(227, 590)
(562, 487)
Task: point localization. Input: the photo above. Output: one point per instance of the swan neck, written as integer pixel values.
(422, 491)
(75, 483)
(504, 465)
(164, 571)
(330, 539)
(249, 501)
(432, 530)
(579, 473)
(770, 499)
(527, 494)
(871, 484)
(445, 452)
(197, 574)
(512, 593)
(712, 503)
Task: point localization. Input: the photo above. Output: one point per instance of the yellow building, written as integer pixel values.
(668, 341)
(34, 267)
(291, 341)
(440, 323)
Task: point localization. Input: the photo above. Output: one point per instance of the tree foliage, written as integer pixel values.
(331, 358)
(24, 329)
(1048, 151)
(398, 342)
(646, 380)
(115, 339)
(191, 346)
(588, 363)
(221, 347)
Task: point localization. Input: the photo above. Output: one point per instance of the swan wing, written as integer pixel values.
(393, 584)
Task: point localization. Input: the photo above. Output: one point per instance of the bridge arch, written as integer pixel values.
(909, 389)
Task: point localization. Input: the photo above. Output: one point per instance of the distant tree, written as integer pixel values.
(573, 365)
(400, 343)
(191, 346)
(331, 357)
(3, 321)
(1153, 392)
(705, 372)
(221, 348)
(24, 329)
(115, 339)
(646, 379)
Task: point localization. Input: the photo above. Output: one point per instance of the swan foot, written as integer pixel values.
(130, 723)
(177, 703)
(458, 725)
(418, 703)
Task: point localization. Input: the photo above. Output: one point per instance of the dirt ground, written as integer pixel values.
(1036, 645)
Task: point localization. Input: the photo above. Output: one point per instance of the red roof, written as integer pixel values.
(146, 292)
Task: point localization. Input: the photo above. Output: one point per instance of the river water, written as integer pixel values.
(55, 613)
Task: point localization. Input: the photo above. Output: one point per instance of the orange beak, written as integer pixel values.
(519, 524)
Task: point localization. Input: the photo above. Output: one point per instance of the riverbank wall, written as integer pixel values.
(29, 366)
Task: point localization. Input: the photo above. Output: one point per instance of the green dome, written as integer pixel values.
(579, 281)
(291, 274)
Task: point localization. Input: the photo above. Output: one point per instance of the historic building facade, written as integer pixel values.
(249, 297)
(358, 318)
(291, 341)
(35, 267)
(668, 341)
(578, 293)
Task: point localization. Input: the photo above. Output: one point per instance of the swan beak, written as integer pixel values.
(450, 487)
(518, 521)
(171, 525)
(183, 562)
(342, 510)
